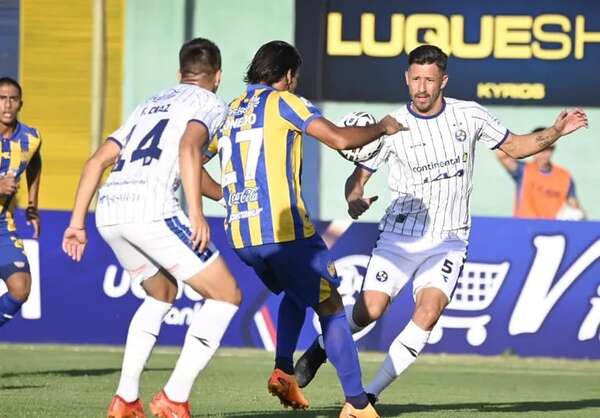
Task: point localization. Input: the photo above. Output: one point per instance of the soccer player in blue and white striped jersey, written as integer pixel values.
(425, 229)
(158, 149)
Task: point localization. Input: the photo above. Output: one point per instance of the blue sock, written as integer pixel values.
(289, 324)
(341, 352)
(9, 306)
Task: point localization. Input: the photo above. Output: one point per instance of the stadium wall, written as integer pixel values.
(55, 72)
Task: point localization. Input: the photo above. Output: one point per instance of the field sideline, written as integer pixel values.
(78, 381)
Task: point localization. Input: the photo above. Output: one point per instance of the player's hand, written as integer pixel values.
(200, 232)
(569, 121)
(391, 125)
(33, 219)
(8, 183)
(358, 206)
(74, 241)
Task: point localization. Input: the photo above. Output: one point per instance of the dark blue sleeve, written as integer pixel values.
(517, 175)
(571, 192)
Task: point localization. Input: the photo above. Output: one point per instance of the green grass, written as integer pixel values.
(78, 381)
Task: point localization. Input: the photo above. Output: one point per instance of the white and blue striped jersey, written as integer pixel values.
(431, 168)
(142, 186)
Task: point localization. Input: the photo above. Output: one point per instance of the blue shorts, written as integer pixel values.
(302, 269)
(12, 255)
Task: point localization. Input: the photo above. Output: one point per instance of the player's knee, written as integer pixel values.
(232, 295)
(19, 286)
(162, 290)
(374, 311)
(427, 315)
(369, 307)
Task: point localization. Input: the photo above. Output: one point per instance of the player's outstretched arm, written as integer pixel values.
(355, 189)
(521, 146)
(75, 237)
(192, 170)
(33, 173)
(349, 137)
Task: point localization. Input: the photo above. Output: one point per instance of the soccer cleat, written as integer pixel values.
(307, 365)
(348, 411)
(373, 399)
(120, 408)
(162, 407)
(285, 387)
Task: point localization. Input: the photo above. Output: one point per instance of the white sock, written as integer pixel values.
(201, 341)
(353, 327)
(402, 353)
(143, 332)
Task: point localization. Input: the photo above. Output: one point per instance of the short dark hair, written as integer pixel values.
(272, 61)
(11, 81)
(199, 56)
(428, 54)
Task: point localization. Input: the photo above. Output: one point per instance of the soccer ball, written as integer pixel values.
(366, 152)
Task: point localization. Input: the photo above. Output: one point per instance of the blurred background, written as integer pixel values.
(76, 85)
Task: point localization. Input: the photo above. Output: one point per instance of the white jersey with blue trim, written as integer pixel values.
(431, 168)
(142, 186)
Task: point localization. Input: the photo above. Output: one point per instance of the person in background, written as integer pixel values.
(20, 154)
(544, 190)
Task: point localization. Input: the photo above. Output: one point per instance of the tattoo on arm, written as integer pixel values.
(546, 138)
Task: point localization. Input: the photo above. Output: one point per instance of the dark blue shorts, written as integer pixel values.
(12, 255)
(303, 269)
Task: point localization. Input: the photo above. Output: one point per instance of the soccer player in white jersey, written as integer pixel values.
(138, 215)
(425, 228)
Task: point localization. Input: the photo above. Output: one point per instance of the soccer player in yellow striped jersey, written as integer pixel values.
(20, 155)
(260, 148)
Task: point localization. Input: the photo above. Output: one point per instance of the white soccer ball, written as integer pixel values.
(366, 152)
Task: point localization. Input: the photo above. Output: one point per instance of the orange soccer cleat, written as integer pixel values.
(120, 408)
(163, 407)
(348, 411)
(285, 387)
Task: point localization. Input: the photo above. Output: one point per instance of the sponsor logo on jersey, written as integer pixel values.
(249, 194)
(381, 276)
(244, 214)
(460, 135)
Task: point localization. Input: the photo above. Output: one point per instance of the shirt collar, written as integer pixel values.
(416, 115)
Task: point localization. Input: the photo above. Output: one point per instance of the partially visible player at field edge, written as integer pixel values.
(260, 148)
(20, 154)
(158, 148)
(425, 229)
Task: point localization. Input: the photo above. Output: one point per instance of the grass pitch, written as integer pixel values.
(78, 381)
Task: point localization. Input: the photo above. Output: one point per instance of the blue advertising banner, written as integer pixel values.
(529, 287)
(537, 52)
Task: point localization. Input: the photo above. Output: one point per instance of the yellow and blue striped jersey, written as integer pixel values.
(260, 148)
(17, 151)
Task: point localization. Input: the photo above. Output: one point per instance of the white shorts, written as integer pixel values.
(143, 248)
(396, 259)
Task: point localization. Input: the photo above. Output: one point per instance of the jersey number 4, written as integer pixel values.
(147, 149)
